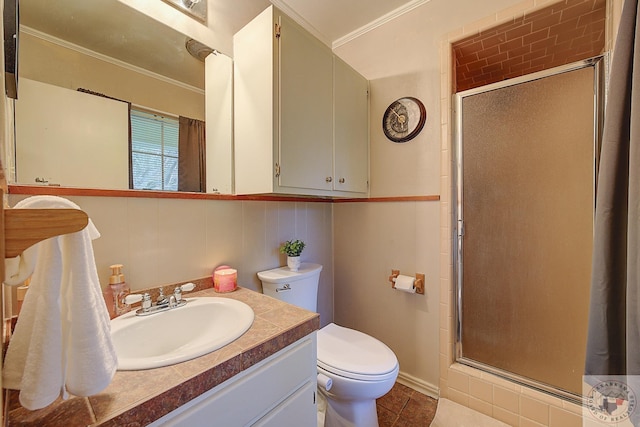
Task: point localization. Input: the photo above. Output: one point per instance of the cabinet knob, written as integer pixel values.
(341, 180)
(329, 179)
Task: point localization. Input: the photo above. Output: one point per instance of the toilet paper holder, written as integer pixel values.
(418, 284)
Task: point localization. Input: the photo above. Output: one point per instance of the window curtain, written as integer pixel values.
(613, 342)
(130, 149)
(191, 155)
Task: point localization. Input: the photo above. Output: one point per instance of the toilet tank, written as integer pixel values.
(295, 287)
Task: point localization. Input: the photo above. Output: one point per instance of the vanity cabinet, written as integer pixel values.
(289, 90)
(280, 391)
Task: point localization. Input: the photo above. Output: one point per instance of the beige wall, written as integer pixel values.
(371, 239)
(163, 241)
(60, 66)
(401, 58)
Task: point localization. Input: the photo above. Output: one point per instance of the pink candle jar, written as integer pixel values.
(225, 279)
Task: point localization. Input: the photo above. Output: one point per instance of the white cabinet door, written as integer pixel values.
(305, 109)
(351, 129)
(71, 138)
(284, 382)
(254, 102)
(219, 119)
(298, 410)
(285, 105)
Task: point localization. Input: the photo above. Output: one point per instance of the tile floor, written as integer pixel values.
(405, 407)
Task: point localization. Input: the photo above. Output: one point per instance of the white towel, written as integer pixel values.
(62, 340)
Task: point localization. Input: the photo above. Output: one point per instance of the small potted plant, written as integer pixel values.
(293, 249)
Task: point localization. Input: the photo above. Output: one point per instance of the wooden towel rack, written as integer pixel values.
(26, 227)
(21, 228)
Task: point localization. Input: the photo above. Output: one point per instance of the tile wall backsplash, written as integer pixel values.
(162, 241)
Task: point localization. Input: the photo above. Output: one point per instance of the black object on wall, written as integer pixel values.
(11, 21)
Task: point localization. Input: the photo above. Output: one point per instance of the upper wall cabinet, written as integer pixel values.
(70, 138)
(301, 114)
(219, 119)
(351, 129)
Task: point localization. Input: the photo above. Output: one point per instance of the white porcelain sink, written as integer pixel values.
(203, 325)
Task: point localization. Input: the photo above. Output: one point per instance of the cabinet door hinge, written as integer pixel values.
(460, 228)
(277, 30)
(277, 170)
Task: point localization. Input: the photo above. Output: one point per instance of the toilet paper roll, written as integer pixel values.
(324, 382)
(405, 284)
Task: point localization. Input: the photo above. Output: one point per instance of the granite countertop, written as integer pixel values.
(137, 398)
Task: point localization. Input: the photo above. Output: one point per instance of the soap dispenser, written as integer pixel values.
(119, 290)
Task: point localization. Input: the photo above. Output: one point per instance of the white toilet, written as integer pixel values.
(360, 367)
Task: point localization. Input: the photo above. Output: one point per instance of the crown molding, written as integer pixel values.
(68, 45)
(378, 22)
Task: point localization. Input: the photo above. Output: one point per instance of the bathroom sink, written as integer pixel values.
(201, 326)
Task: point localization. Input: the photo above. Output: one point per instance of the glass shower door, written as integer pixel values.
(526, 158)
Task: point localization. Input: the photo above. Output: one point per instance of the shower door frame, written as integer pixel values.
(601, 65)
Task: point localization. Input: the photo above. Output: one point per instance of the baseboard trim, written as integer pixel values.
(418, 385)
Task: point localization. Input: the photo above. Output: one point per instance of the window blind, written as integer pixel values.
(154, 151)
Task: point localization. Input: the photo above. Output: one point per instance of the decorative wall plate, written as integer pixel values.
(404, 119)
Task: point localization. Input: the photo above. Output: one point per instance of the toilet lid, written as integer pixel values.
(353, 354)
(282, 275)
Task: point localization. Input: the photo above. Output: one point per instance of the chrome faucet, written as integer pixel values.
(161, 300)
(176, 299)
(163, 303)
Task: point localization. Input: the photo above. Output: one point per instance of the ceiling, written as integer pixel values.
(111, 28)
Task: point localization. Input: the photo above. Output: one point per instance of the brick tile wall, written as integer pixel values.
(562, 33)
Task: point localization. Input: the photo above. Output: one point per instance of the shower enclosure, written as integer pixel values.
(526, 157)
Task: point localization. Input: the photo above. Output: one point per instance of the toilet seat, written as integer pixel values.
(353, 354)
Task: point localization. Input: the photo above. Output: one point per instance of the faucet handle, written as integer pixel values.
(134, 298)
(187, 287)
(177, 292)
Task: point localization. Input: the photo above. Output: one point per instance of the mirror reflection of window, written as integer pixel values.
(154, 151)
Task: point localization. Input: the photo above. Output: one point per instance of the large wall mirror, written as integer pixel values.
(113, 53)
